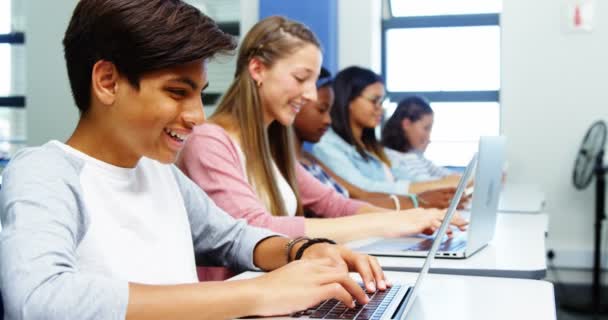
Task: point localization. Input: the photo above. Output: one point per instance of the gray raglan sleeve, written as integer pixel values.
(219, 239)
(44, 220)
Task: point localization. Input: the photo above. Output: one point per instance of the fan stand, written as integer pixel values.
(596, 307)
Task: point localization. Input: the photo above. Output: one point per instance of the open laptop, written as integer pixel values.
(482, 214)
(395, 302)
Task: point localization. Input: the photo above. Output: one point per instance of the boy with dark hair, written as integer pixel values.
(104, 227)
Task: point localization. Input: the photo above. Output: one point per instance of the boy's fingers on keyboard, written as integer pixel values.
(354, 289)
(347, 283)
(377, 273)
(361, 264)
(338, 292)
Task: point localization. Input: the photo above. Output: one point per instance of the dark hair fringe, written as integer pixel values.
(137, 36)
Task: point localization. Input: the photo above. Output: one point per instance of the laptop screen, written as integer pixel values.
(466, 176)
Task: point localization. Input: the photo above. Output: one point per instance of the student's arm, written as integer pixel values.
(323, 200)
(376, 199)
(284, 290)
(209, 158)
(342, 166)
(44, 220)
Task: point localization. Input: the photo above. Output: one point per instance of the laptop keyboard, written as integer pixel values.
(451, 244)
(334, 309)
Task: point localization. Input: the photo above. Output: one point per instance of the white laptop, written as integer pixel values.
(482, 215)
(395, 302)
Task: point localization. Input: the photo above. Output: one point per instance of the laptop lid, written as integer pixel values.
(439, 236)
(488, 182)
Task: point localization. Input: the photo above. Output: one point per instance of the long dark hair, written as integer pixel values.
(348, 85)
(412, 108)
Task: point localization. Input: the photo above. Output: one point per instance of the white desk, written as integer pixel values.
(451, 297)
(517, 251)
(521, 198)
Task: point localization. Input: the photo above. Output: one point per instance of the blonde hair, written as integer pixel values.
(268, 41)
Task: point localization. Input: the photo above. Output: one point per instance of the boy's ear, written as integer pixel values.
(104, 82)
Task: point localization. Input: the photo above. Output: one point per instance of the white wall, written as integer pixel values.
(553, 88)
(359, 33)
(51, 112)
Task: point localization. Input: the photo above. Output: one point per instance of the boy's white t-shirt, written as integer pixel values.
(142, 234)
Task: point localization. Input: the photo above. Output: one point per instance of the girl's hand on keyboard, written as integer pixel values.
(415, 221)
(303, 284)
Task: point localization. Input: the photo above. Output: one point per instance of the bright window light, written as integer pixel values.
(5, 16)
(443, 59)
(409, 8)
(457, 128)
(5, 69)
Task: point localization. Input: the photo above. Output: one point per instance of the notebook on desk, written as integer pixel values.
(482, 214)
(393, 303)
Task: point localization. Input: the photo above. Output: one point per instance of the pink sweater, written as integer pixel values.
(211, 159)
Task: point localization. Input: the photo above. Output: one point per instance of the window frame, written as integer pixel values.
(13, 101)
(439, 21)
(442, 21)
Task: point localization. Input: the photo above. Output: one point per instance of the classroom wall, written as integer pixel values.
(359, 33)
(51, 112)
(318, 15)
(553, 88)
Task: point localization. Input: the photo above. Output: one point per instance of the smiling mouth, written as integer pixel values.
(175, 136)
(295, 107)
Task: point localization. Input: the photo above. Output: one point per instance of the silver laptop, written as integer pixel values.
(482, 214)
(395, 302)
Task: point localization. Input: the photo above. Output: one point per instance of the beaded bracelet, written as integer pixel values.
(310, 243)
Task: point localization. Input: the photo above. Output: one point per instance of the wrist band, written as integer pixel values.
(414, 199)
(291, 243)
(396, 202)
(311, 242)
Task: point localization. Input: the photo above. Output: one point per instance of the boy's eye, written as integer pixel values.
(179, 92)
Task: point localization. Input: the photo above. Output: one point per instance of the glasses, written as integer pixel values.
(376, 100)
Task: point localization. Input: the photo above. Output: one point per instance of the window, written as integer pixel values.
(449, 52)
(12, 101)
(5, 49)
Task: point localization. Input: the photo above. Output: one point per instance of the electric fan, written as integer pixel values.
(590, 162)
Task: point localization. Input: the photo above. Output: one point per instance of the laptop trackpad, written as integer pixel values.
(390, 245)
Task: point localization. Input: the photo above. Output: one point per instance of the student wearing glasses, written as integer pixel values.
(310, 125)
(103, 226)
(350, 148)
